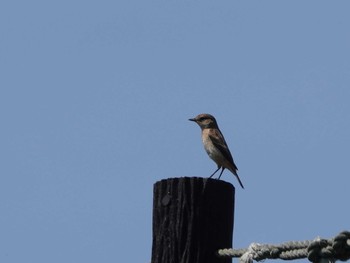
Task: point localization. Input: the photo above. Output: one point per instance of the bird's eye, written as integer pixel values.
(202, 119)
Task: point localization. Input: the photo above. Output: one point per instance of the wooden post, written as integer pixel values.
(192, 219)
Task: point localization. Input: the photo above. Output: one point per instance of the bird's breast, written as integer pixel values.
(211, 150)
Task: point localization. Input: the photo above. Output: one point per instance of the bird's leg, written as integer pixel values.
(215, 172)
(223, 168)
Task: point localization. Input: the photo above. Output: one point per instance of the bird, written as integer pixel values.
(215, 145)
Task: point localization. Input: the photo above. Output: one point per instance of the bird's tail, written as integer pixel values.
(239, 180)
(234, 171)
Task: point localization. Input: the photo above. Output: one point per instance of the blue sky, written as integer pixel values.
(95, 99)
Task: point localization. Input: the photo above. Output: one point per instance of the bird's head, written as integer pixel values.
(205, 121)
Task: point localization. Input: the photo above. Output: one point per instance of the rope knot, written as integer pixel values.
(341, 246)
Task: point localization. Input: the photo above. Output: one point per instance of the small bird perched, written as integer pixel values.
(215, 144)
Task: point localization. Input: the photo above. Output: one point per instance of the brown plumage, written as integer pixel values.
(215, 145)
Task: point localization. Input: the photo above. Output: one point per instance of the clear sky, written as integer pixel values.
(95, 98)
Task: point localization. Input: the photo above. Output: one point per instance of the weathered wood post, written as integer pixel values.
(192, 219)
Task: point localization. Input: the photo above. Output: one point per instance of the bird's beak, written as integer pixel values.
(192, 119)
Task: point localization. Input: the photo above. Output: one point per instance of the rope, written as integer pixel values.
(337, 248)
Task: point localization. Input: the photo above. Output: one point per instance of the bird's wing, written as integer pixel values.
(219, 142)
